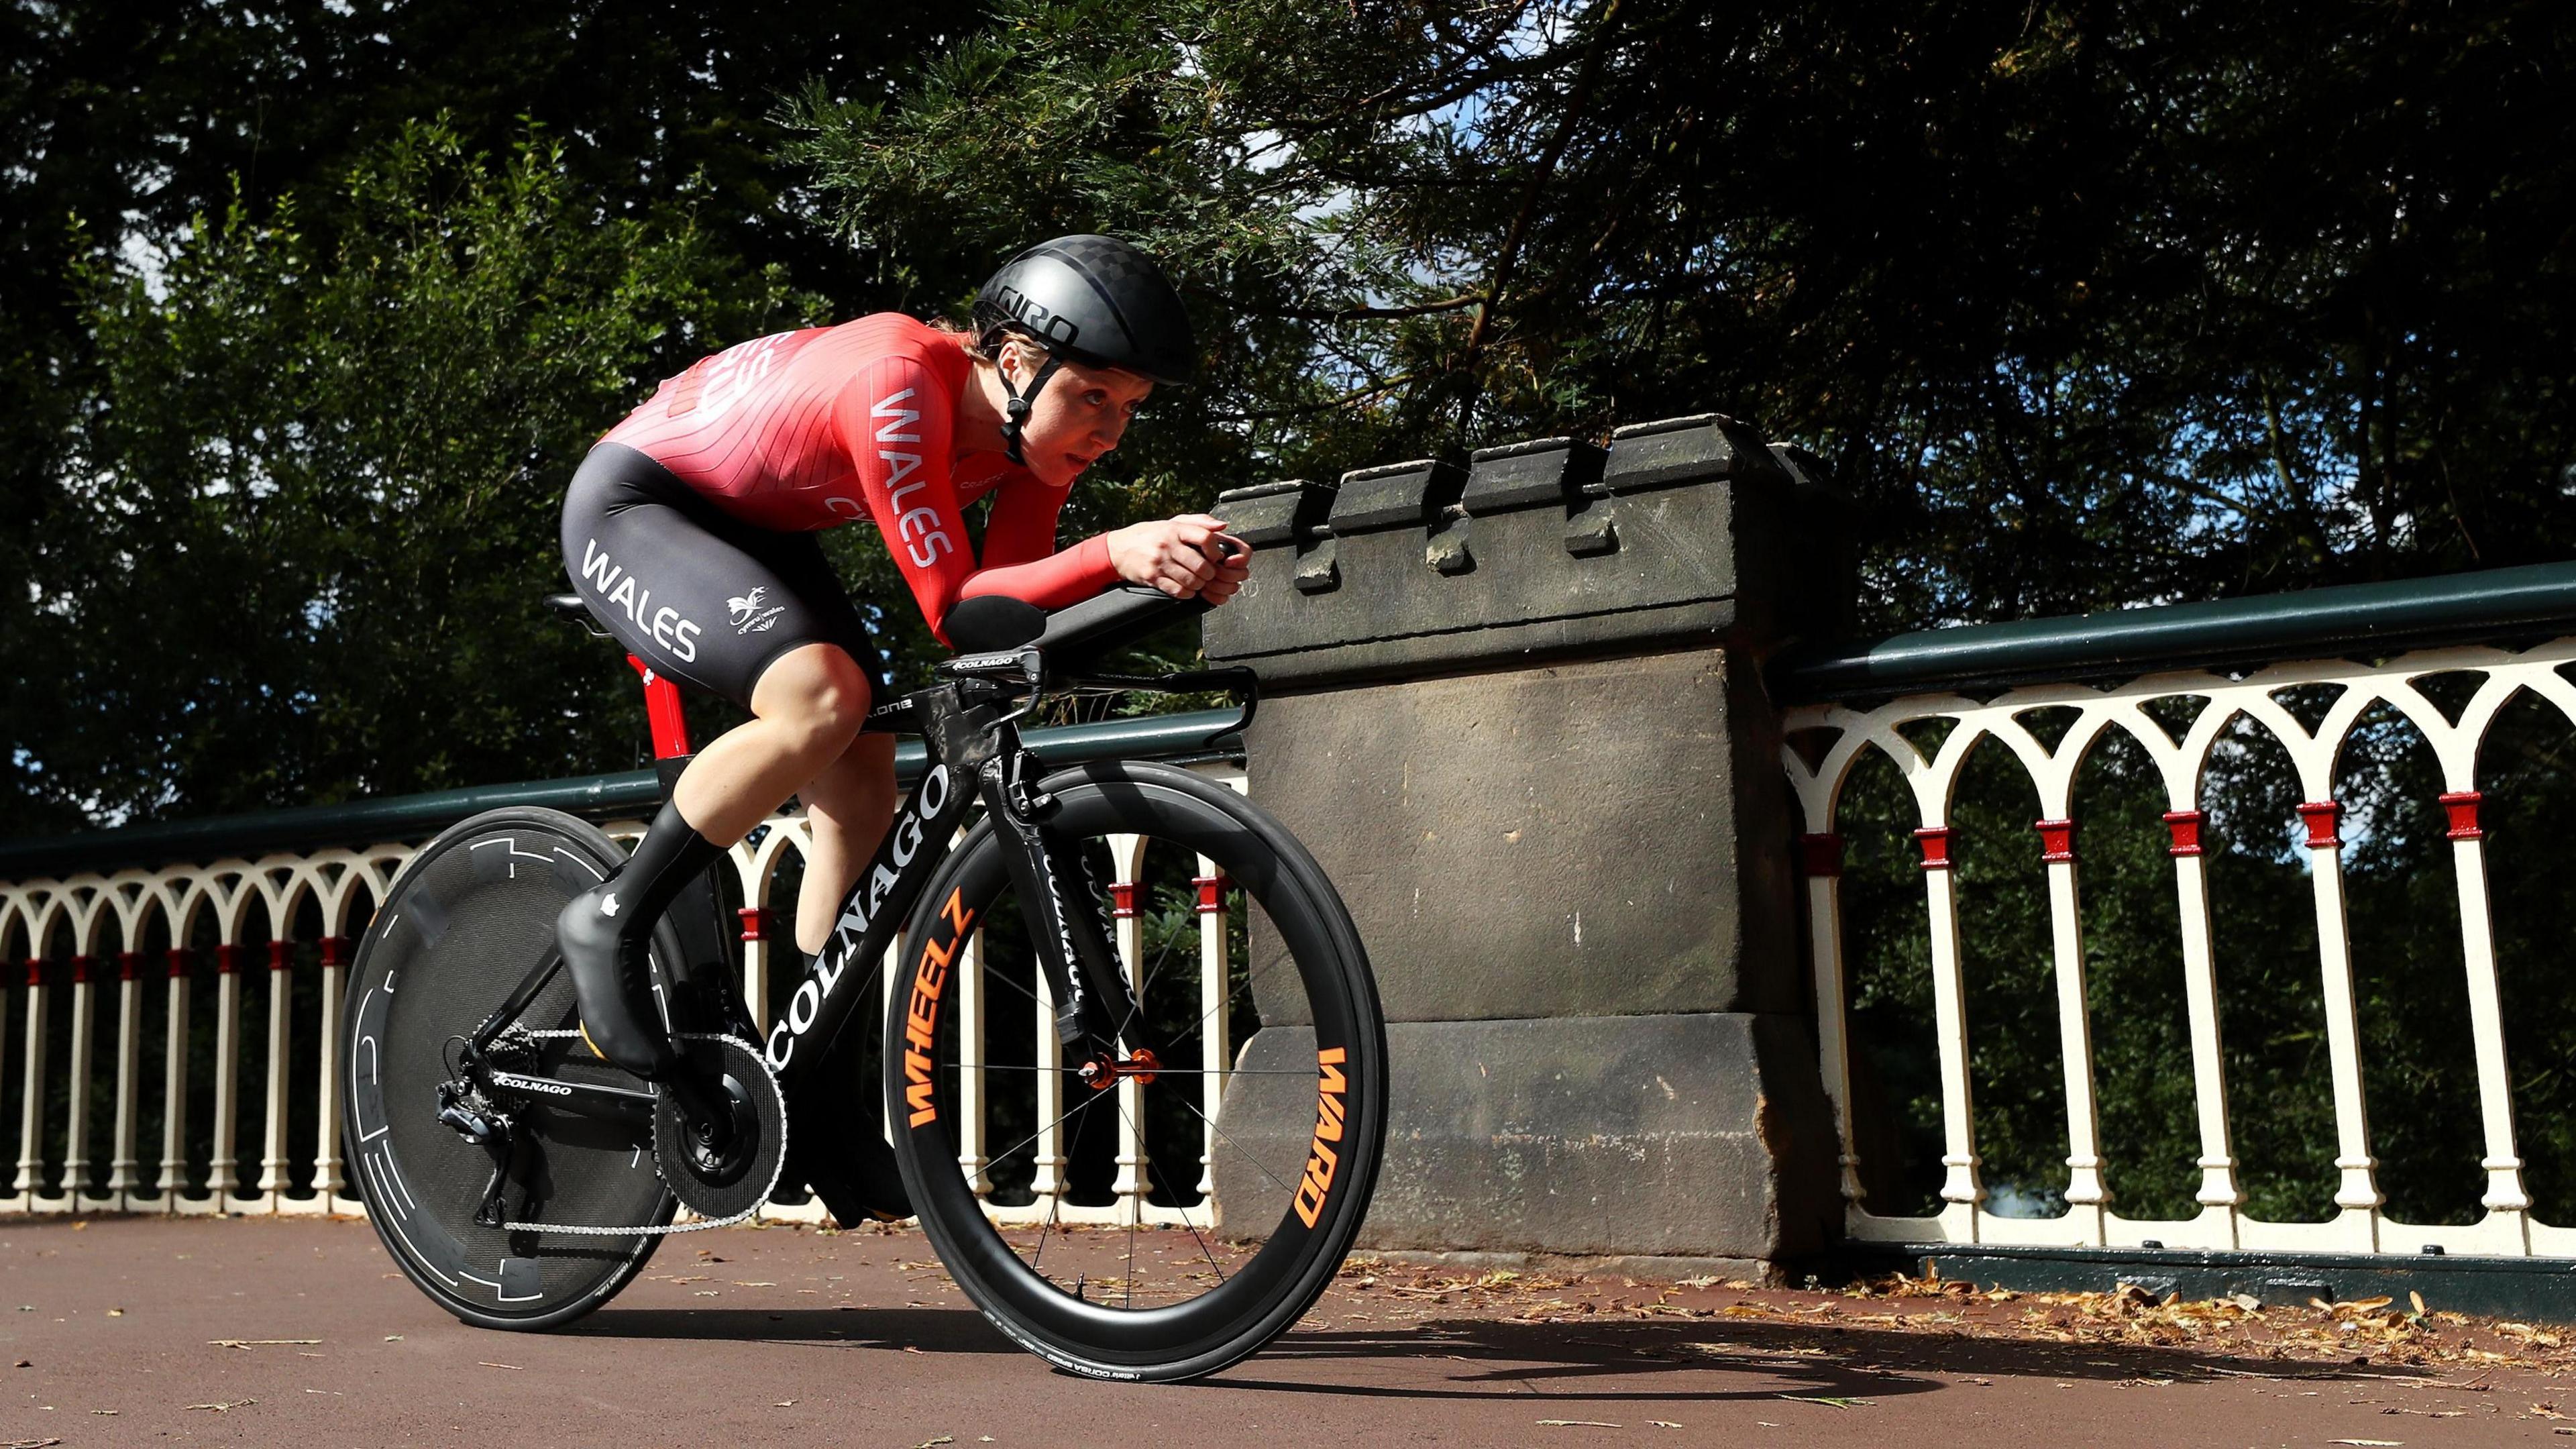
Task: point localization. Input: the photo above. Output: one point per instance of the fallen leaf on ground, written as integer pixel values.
(1575, 1424)
(225, 1407)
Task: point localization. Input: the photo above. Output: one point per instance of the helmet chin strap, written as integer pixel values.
(1016, 411)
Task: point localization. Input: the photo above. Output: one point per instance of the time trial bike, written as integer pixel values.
(521, 1181)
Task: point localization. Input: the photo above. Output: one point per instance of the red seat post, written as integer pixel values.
(662, 708)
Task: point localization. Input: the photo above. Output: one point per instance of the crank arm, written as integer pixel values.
(588, 1099)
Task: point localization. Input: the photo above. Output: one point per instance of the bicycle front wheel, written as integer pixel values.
(1168, 1219)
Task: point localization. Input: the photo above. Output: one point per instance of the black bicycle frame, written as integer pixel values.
(974, 754)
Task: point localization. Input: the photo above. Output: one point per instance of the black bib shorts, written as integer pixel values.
(700, 596)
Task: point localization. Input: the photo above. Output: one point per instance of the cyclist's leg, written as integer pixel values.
(850, 799)
(848, 806)
(714, 603)
(806, 709)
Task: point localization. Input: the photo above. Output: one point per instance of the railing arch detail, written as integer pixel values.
(2360, 1224)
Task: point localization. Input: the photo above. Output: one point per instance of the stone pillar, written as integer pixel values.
(1515, 709)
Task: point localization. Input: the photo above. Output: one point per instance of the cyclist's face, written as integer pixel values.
(1080, 414)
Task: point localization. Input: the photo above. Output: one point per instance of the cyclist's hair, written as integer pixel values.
(986, 347)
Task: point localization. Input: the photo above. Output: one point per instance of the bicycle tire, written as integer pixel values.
(1276, 1086)
(461, 926)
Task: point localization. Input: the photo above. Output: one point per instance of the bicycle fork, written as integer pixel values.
(1095, 1008)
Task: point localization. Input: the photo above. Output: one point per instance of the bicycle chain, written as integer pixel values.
(585, 1230)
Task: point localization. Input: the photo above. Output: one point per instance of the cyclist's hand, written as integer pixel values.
(1233, 567)
(1175, 555)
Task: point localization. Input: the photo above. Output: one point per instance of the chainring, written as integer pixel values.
(722, 1186)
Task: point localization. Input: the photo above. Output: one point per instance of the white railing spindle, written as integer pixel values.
(2362, 1223)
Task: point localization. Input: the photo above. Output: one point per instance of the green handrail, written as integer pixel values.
(2483, 607)
(1174, 738)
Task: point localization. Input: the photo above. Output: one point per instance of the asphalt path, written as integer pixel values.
(300, 1332)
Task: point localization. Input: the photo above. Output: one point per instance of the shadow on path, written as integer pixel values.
(1592, 1360)
(931, 1330)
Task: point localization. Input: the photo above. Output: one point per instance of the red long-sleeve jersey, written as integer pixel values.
(814, 429)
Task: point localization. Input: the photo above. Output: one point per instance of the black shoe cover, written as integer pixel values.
(605, 935)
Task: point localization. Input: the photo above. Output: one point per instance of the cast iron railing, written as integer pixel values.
(2212, 668)
(228, 895)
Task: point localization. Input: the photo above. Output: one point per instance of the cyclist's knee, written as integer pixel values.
(818, 695)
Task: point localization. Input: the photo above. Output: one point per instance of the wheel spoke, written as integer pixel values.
(1230, 1142)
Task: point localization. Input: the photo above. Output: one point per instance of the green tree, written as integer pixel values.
(313, 504)
(141, 116)
(2090, 304)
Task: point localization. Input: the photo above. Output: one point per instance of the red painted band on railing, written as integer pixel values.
(1211, 893)
(1122, 899)
(178, 958)
(2056, 840)
(281, 955)
(2185, 825)
(2463, 805)
(228, 958)
(2321, 816)
(129, 965)
(755, 922)
(1935, 843)
(81, 965)
(1820, 857)
(335, 951)
(35, 971)
(662, 710)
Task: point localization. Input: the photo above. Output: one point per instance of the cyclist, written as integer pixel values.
(689, 532)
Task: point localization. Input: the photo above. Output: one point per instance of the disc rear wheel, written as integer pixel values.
(467, 919)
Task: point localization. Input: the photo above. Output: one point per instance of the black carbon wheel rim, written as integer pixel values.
(1258, 1295)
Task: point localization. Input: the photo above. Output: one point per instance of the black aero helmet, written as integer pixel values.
(1095, 299)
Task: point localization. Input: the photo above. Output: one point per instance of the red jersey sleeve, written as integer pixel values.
(896, 421)
(1019, 551)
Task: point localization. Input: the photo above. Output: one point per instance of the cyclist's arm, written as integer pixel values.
(894, 418)
(1186, 556)
(1020, 556)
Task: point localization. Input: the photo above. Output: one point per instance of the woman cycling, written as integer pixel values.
(689, 532)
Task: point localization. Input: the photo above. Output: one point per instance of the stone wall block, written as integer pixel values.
(1679, 531)
(1541, 473)
(1287, 524)
(1662, 1136)
(1585, 838)
(1515, 709)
